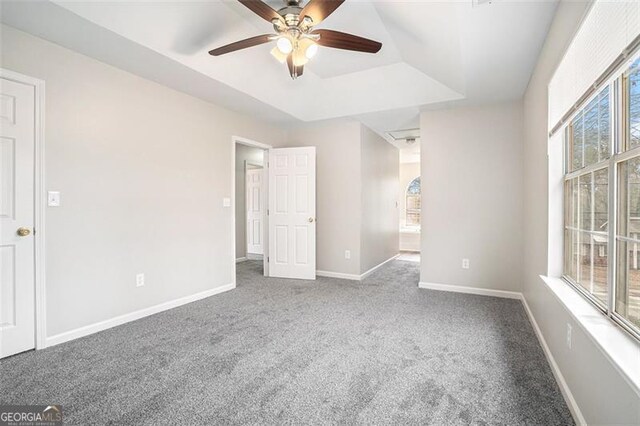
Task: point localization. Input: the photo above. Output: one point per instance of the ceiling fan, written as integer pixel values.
(296, 39)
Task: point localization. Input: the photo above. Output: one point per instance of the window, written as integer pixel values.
(627, 279)
(602, 200)
(413, 204)
(587, 197)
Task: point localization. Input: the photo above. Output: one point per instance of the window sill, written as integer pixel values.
(617, 345)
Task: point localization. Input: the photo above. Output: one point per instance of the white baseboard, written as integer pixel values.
(122, 319)
(564, 388)
(471, 290)
(241, 259)
(370, 271)
(354, 277)
(338, 275)
(254, 256)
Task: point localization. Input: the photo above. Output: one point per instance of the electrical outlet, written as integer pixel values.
(569, 329)
(347, 254)
(465, 263)
(139, 280)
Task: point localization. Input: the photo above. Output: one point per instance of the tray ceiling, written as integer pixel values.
(433, 52)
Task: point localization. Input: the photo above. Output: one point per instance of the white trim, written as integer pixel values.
(249, 142)
(241, 259)
(340, 275)
(39, 204)
(370, 271)
(254, 256)
(242, 141)
(132, 316)
(471, 290)
(248, 163)
(354, 277)
(564, 388)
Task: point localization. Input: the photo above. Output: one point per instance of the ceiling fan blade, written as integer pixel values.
(318, 10)
(338, 40)
(261, 9)
(242, 44)
(294, 71)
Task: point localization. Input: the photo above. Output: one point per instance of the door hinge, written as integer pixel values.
(267, 212)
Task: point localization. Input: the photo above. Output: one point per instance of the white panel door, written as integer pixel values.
(255, 209)
(292, 213)
(17, 273)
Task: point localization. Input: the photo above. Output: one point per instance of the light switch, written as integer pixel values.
(226, 202)
(53, 199)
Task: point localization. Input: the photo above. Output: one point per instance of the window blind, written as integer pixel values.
(608, 29)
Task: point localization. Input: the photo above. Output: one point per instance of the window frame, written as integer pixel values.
(618, 153)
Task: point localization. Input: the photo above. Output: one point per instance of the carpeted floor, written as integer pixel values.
(332, 351)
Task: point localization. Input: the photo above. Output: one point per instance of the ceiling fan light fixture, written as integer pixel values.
(284, 45)
(281, 57)
(305, 47)
(311, 50)
(299, 58)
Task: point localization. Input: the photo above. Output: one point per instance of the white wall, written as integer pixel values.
(253, 155)
(338, 204)
(380, 192)
(601, 393)
(472, 183)
(142, 170)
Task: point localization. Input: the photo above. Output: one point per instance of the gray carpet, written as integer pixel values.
(331, 351)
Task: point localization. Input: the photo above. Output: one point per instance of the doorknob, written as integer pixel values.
(310, 220)
(23, 232)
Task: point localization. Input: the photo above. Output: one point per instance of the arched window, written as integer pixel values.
(412, 203)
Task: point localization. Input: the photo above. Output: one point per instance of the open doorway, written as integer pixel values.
(274, 210)
(410, 205)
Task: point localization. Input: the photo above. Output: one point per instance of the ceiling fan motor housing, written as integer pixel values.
(291, 15)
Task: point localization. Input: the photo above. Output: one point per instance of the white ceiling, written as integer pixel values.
(433, 52)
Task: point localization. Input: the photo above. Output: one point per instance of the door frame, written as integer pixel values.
(39, 204)
(248, 142)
